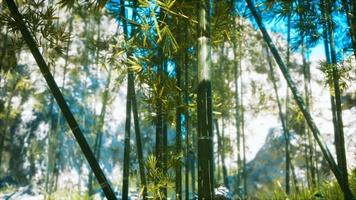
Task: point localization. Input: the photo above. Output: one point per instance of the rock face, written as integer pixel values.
(269, 161)
(268, 166)
(350, 135)
(267, 169)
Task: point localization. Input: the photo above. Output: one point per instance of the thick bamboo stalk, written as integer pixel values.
(204, 106)
(109, 193)
(340, 143)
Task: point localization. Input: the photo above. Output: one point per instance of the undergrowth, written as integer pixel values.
(328, 190)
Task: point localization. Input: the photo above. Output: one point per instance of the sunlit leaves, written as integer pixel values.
(145, 31)
(158, 177)
(222, 24)
(167, 4)
(295, 119)
(144, 3)
(155, 20)
(281, 8)
(169, 42)
(22, 85)
(66, 3)
(344, 71)
(43, 23)
(158, 88)
(134, 64)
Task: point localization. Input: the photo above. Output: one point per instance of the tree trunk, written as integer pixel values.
(328, 59)
(85, 65)
(100, 123)
(138, 141)
(193, 168)
(61, 143)
(160, 132)
(51, 145)
(224, 168)
(282, 119)
(340, 145)
(61, 101)
(295, 180)
(161, 137)
(237, 60)
(239, 121)
(221, 152)
(132, 102)
(242, 111)
(218, 164)
(5, 128)
(56, 148)
(138, 136)
(125, 176)
(165, 138)
(204, 103)
(186, 116)
(309, 152)
(179, 123)
(288, 161)
(99, 127)
(300, 102)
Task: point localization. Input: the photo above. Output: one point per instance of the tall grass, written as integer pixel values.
(328, 190)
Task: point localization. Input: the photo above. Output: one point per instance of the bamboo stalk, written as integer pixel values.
(94, 165)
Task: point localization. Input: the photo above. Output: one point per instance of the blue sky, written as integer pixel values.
(316, 53)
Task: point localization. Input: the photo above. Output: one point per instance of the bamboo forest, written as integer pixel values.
(178, 99)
